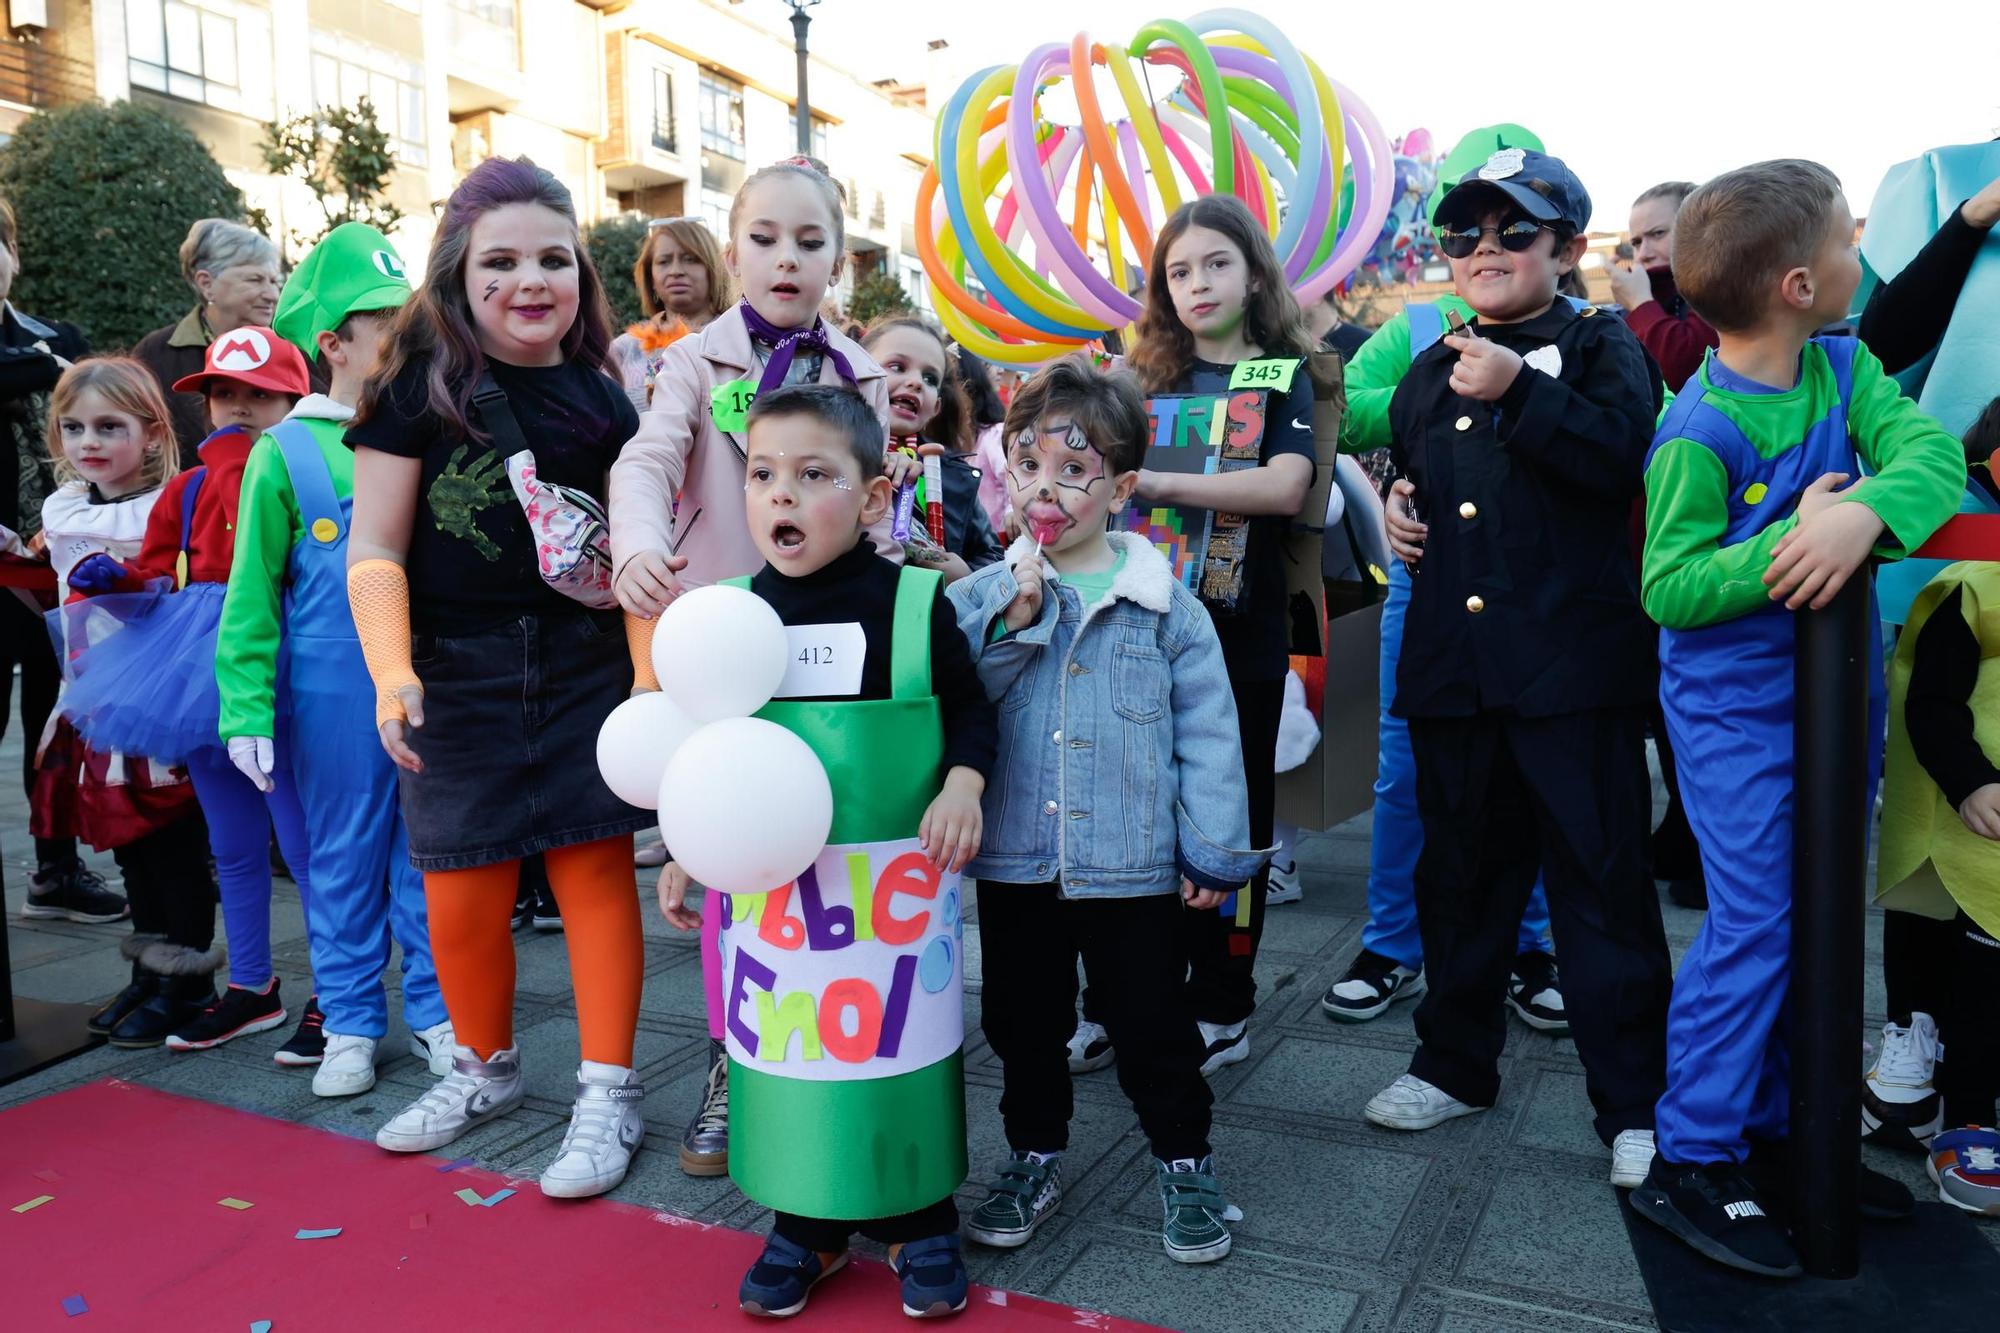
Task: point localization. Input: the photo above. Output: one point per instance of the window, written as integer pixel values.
(721, 115)
(664, 137)
(500, 13)
(715, 213)
(344, 71)
(818, 135)
(213, 54)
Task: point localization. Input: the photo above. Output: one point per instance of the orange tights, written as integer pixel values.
(473, 943)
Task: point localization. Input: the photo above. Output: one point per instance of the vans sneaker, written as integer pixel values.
(1411, 1103)
(604, 1131)
(1534, 993)
(474, 1092)
(238, 1012)
(1028, 1189)
(1195, 1211)
(1090, 1048)
(348, 1069)
(1227, 1043)
(1373, 983)
(1898, 1095)
(1631, 1158)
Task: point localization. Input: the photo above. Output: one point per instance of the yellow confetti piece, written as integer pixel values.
(470, 1198)
(34, 1203)
(238, 1204)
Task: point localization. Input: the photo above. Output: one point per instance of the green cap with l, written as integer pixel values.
(354, 268)
(1469, 154)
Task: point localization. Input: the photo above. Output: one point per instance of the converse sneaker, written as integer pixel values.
(348, 1069)
(1373, 983)
(433, 1045)
(474, 1092)
(1227, 1044)
(307, 1045)
(71, 891)
(604, 1131)
(784, 1275)
(1411, 1103)
(547, 916)
(1027, 1191)
(1631, 1158)
(1965, 1164)
(524, 906)
(1534, 993)
(236, 1013)
(1898, 1098)
(1090, 1048)
(705, 1141)
(1283, 885)
(1194, 1232)
(933, 1275)
(1719, 1214)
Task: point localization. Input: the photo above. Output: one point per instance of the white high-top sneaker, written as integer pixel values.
(348, 1068)
(433, 1045)
(604, 1131)
(474, 1092)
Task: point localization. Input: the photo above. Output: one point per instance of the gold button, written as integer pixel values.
(1475, 604)
(1468, 510)
(325, 529)
(1463, 423)
(1587, 312)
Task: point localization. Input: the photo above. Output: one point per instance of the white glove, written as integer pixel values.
(255, 756)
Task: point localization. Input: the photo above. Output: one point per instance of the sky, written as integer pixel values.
(1627, 95)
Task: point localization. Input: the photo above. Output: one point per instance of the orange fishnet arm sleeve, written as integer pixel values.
(639, 638)
(379, 593)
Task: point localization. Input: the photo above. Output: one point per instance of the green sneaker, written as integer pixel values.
(1194, 1232)
(1016, 1203)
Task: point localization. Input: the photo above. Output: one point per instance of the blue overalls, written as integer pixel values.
(1727, 691)
(364, 887)
(1398, 835)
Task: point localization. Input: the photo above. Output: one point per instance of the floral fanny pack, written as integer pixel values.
(572, 537)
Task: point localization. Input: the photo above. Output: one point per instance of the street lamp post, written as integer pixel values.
(801, 19)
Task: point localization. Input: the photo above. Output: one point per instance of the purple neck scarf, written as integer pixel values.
(785, 344)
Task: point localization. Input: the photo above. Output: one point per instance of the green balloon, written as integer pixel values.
(1471, 152)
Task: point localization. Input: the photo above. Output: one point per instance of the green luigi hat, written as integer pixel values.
(1470, 154)
(354, 268)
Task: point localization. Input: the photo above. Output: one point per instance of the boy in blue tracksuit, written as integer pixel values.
(288, 656)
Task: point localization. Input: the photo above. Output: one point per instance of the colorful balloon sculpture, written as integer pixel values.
(1004, 226)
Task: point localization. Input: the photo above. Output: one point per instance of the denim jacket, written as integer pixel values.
(1121, 764)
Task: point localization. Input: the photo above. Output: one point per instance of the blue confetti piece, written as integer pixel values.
(261, 1326)
(325, 1233)
(497, 1196)
(75, 1305)
(455, 1165)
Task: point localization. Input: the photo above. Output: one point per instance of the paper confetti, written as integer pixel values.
(455, 1165)
(326, 1233)
(34, 1203)
(238, 1204)
(418, 1221)
(498, 1196)
(75, 1305)
(50, 1176)
(261, 1326)
(472, 1198)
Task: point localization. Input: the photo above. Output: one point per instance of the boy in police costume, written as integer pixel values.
(1525, 659)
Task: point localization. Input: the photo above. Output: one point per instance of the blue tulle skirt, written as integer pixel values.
(140, 670)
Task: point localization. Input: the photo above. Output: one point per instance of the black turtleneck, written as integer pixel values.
(860, 588)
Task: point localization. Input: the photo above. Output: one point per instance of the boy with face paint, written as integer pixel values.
(1118, 805)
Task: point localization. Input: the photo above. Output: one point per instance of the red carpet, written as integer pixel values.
(135, 1229)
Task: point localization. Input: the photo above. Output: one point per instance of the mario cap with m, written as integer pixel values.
(254, 356)
(354, 269)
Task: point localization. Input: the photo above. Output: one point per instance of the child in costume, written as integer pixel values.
(841, 1134)
(677, 489)
(151, 689)
(111, 440)
(1525, 660)
(287, 634)
(492, 671)
(1102, 842)
(1744, 525)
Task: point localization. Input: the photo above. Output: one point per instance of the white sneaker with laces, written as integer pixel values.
(1227, 1044)
(1090, 1048)
(604, 1131)
(1284, 886)
(1899, 1092)
(1631, 1158)
(474, 1092)
(347, 1069)
(433, 1045)
(1411, 1103)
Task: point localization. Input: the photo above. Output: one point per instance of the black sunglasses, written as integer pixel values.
(1515, 237)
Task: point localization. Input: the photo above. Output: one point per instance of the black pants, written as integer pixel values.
(1221, 953)
(1675, 854)
(824, 1235)
(1135, 950)
(1951, 971)
(24, 640)
(1499, 797)
(168, 884)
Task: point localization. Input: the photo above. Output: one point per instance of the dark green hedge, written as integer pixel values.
(614, 247)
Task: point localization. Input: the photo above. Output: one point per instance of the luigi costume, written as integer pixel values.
(288, 651)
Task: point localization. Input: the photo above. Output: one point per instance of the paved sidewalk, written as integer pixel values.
(1501, 1221)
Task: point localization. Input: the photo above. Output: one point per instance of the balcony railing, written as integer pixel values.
(33, 75)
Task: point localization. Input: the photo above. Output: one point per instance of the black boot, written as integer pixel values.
(141, 989)
(185, 987)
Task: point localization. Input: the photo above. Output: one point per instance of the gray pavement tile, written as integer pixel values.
(1303, 927)
(1244, 1293)
(1540, 1234)
(230, 1078)
(1558, 1115)
(78, 977)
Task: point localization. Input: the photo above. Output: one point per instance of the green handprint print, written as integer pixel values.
(459, 494)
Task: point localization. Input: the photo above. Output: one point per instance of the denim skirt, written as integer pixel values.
(509, 741)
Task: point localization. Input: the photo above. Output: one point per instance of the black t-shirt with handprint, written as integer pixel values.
(472, 557)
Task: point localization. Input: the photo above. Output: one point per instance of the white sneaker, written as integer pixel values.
(1631, 1158)
(1090, 1048)
(347, 1069)
(474, 1092)
(1227, 1044)
(1898, 1092)
(1284, 884)
(604, 1131)
(1411, 1103)
(433, 1045)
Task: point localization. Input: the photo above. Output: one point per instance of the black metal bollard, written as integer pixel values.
(1829, 886)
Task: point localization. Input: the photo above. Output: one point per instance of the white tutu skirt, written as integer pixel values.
(140, 670)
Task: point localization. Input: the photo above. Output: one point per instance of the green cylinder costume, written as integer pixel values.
(843, 990)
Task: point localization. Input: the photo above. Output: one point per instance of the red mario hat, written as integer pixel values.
(253, 356)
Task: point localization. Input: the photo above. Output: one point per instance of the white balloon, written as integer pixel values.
(719, 652)
(636, 741)
(745, 805)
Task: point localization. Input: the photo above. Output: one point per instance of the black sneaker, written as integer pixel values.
(71, 891)
(1534, 993)
(1716, 1210)
(547, 916)
(237, 1013)
(308, 1041)
(524, 906)
(1372, 984)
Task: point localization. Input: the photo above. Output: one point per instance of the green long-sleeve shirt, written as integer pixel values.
(1690, 579)
(1372, 377)
(268, 526)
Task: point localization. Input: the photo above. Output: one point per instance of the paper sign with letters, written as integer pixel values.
(1194, 434)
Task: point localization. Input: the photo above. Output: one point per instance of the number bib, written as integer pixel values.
(823, 661)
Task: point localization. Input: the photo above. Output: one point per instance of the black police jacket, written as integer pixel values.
(1527, 598)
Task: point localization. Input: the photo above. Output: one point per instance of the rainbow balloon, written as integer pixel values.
(1220, 104)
